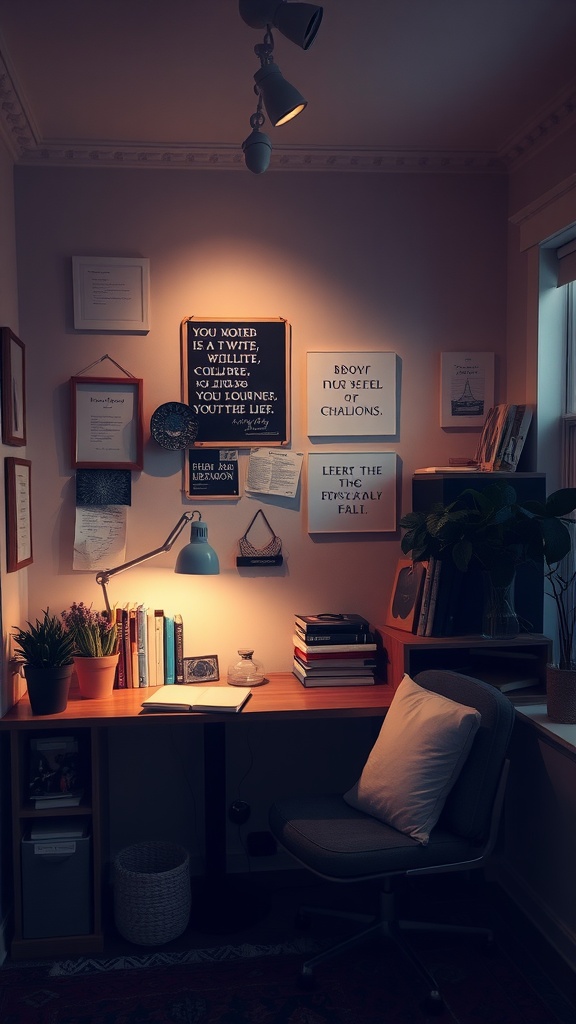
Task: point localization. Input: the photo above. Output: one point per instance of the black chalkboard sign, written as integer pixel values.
(212, 474)
(236, 380)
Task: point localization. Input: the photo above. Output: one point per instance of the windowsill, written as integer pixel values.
(563, 735)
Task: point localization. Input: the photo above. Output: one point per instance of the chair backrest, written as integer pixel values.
(468, 808)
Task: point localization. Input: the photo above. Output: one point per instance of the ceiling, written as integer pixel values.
(390, 84)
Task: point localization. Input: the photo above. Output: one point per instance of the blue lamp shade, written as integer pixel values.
(197, 558)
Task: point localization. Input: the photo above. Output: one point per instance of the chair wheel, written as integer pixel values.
(306, 980)
(434, 1004)
(302, 920)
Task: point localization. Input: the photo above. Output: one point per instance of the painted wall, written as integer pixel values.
(410, 264)
(13, 594)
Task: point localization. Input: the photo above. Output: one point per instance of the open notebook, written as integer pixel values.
(192, 697)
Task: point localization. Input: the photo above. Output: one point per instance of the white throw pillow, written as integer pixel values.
(423, 743)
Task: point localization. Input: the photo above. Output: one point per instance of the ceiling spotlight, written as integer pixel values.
(282, 100)
(257, 148)
(298, 22)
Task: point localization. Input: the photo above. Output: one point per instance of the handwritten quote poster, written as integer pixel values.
(352, 492)
(236, 380)
(351, 394)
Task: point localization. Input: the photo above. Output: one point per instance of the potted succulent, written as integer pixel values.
(95, 641)
(491, 531)
(46, 651)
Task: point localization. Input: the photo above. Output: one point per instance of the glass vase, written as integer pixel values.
(499, 619)
(247, 671)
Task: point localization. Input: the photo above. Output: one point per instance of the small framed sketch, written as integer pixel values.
(106, 427)
(18, 514)
(467, 388)
(203, 669)
(111, 293)
(352, 492)
(13, 389)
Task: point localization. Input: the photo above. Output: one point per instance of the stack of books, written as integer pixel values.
(334, 650)
(151, 645)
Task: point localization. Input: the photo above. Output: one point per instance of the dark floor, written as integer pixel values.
(260, 909)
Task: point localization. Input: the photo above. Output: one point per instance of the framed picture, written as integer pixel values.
(111, 293)
(352, 492)
(203, 669)
(13, 389)
(106, 422)
(236, 380)
(18, 514)
(406, 594)
(352, 394)
(211, 473)
(467, 388)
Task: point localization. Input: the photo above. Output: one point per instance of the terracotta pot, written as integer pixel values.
(48, 688)
(96, 676)
(561, 694)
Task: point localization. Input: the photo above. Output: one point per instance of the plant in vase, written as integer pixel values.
(95, 649)
(46, 652)
(554, 537)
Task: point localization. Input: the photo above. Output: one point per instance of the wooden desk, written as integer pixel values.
(283, 697)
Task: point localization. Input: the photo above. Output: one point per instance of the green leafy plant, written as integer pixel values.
(490, 530)
(92, 634)
(48, 644)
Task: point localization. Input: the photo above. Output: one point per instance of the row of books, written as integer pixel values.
(439, 595)
(151, 645)
(503, 437)
(334, 650)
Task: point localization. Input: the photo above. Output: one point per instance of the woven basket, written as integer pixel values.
(151, 892)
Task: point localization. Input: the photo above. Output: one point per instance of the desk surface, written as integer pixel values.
(282, 697)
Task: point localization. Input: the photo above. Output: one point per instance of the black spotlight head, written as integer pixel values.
(298, 22)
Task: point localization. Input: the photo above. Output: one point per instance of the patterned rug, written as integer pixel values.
(259, 985)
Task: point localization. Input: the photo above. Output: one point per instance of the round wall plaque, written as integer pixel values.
(173, 426)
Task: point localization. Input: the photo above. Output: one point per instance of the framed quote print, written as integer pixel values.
(236, 380)
(13, 389)
(352, 492)
(351, 394)
(18, 514)
(106, 422)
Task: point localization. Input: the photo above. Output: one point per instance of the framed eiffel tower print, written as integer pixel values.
(466, 388)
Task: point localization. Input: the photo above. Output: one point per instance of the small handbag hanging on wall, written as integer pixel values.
(270, 554)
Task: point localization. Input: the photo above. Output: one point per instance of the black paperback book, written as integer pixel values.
(331, 623)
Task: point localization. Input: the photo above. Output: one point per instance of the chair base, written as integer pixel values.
(384, 925)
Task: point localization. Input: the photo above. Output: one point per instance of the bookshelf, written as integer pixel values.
(69, 874)
(402, 652)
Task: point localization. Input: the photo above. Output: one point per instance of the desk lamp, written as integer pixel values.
(196, 558)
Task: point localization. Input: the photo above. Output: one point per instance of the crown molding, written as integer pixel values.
(28, 148)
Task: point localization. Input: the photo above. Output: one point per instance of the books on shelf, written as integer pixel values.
(55, 777)
(191, 697)
(439, 601)
(151, 646)
(503, 437)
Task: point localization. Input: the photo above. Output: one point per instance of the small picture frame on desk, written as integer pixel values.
(203, 669)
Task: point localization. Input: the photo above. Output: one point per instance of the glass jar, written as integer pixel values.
(247, 671)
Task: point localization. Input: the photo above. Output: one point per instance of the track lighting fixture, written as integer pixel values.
(298, 22)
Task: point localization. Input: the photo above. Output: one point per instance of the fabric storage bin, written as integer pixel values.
(151, 892)
(56, 887)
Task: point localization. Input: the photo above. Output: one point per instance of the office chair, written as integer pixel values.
(332, 837)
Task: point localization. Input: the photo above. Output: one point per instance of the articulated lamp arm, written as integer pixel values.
(103, 577)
